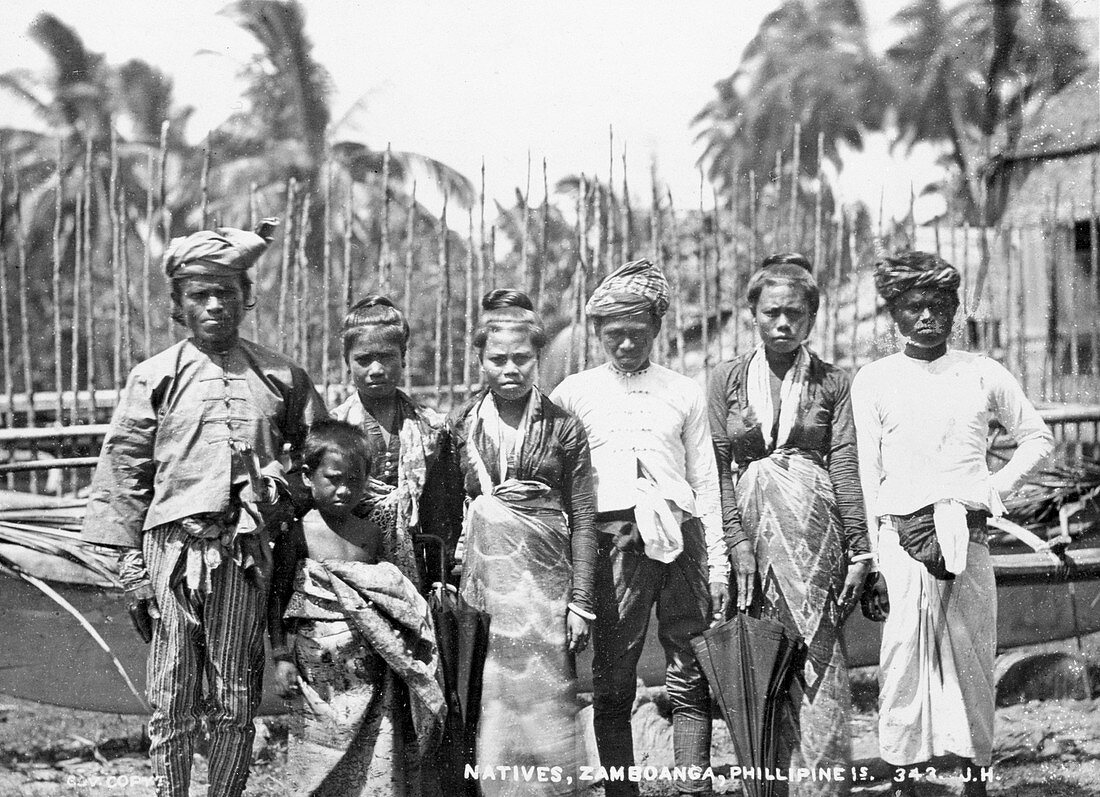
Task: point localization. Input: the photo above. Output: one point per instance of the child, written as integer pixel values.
(354, 650)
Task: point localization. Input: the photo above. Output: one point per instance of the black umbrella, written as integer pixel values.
(748, 664)
(462, 635)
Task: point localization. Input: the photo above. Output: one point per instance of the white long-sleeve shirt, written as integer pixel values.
(921, 430)
(659, 417)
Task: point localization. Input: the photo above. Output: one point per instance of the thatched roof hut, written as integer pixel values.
(1053, 173)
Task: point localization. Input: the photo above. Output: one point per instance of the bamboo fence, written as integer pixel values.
(1019, 283)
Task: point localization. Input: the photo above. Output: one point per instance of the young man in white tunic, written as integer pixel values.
(659, 514)
(922, 416)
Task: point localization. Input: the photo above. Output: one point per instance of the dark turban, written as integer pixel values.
(636, 287)
(903, 272)
(224, 252)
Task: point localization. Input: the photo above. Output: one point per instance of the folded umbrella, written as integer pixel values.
(747, 662)
(462, 634)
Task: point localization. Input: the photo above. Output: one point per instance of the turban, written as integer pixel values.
(896, 275)
(224, 252)
(636, 287)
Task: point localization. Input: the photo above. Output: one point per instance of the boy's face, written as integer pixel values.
(337, 483)
(377, 367)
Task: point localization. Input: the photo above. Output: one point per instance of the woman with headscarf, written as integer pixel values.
(792, 508)
(406, 441)
(528, 549)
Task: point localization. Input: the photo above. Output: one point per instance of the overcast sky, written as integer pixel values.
(461, 81)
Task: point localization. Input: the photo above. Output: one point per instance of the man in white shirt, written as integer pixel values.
(659, 514)
(922, 417)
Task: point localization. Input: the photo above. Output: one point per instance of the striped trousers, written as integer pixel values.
(225, 649)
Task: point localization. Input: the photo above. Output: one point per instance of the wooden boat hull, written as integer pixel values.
(47, 657)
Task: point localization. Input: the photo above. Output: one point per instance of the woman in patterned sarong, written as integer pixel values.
(528, 550)
(792, 508)
(407, 441)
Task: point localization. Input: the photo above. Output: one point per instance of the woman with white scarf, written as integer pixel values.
(528, 550)
(782, 425)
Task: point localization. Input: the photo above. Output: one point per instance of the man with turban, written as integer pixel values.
(192, 455)
(659, 514)
(922, 416)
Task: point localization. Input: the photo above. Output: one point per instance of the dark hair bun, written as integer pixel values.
(787, 258)
(502, 298)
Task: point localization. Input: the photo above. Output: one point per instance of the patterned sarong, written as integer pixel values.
(518, 569)
(371, 707)
(787, 500)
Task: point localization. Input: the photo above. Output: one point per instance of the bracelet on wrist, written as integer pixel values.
(589, 616)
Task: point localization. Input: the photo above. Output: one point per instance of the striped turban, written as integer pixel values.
(224, 252)
(636, 287)
(907, 270)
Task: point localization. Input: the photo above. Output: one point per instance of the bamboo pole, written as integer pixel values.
(753, 228)
(735, 269)
(716, 230)
(493, 257)
(116, 264)
(855, 291)
(1009, 323)
(544, 264)
(78, 268)
(597, 206)
(654, 213)
(163, 192)
(628, 217)
(468, 320)
(1094, 262)
(204, 180)
(442, 299)
(579, 336)
(913, 216)
(89, 315)
(819, 267)
(348, 225)
(658, 247)
(795, 173)
(1050, 366)
(677, 283)
(305, 281)
(838, 255)
(524, 267)
(59, 206)
(147, 264)
(24, 316)
(326, 285)
(5, 329)
(385, 265)
(1021, 308)
(817, 203)
(124, 250)
(253, 223)
(609, 257)
(704, 277)
(410, 241)
(285, 264)
(776, 245)
(967, 294)
(481, 232)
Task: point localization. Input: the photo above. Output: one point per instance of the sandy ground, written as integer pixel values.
(1044, 749)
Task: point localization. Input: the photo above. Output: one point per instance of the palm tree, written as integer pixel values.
(969, 75)
(80, 101)
(809, 63)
